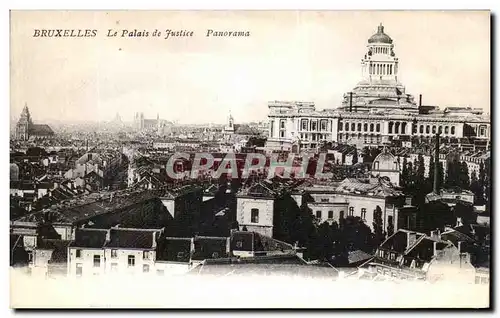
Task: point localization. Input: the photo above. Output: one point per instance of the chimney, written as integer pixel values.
(108, 235)
(436, 234)
(435, 248)
(411, 239)
(350, 101)
(420, 100)
(436, 165)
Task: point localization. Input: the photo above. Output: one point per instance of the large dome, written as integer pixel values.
(385, 161)
(380, 36)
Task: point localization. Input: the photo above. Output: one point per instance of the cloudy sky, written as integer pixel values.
(289, 55)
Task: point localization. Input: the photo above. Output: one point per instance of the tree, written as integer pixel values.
(463, 176)
(404, 176)
(390, 228)
(378, 226)
(355, 156)
(420, 172)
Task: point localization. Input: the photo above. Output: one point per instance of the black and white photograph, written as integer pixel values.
(250, 159)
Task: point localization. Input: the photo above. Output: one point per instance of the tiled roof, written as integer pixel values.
(210, 247)
(89, 238)
(131, 238)
(40, 130)
(174, 249)
(358, 256)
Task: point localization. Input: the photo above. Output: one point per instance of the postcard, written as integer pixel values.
(250, 159)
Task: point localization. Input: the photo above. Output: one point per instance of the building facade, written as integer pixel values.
(377, 111)
(26, 129)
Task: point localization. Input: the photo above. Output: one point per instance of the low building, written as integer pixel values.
(409, 255)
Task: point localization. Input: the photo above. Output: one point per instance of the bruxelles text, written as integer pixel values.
(200, 165)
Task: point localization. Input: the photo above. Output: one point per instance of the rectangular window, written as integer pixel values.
(318, 214)
(78, 253)
(79, 269)
(304, 125)
(114, 253)
(97, 260)
(131, 261)
(282, 134)
(145, 268)
(145, 255)
(255, 215)
(351, 211)
(323, 124)
(272, 128)
(330, 214)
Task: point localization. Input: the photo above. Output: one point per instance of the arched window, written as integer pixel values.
(396, 128)
(427, 129)
(282, 124)
(390, 127)
(365, 127)
(341, 126)
(452, 130)
(363, 213)
(433, 129)
(378, 127)
(403, 128)
(446, 129)
(353, 127)
(371, 127)
(346, 126)
(421, 129)
(359, 126)
(351, 211)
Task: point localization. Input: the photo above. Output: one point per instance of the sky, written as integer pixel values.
(289, 55)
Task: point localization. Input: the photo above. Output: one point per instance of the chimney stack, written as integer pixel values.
(436, 164)
(420, 100)
(350, 101)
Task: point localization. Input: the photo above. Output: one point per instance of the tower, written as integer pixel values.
(23, 125)
(380, 62)
(230, 124)
(379, 88)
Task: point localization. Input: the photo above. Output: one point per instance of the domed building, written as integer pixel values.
(386, 165)
(375, 112)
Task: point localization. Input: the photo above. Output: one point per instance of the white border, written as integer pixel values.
(205, 5)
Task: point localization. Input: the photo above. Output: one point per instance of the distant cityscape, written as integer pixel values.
(408, 196)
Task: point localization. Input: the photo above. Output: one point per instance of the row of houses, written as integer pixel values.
(132, 251)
